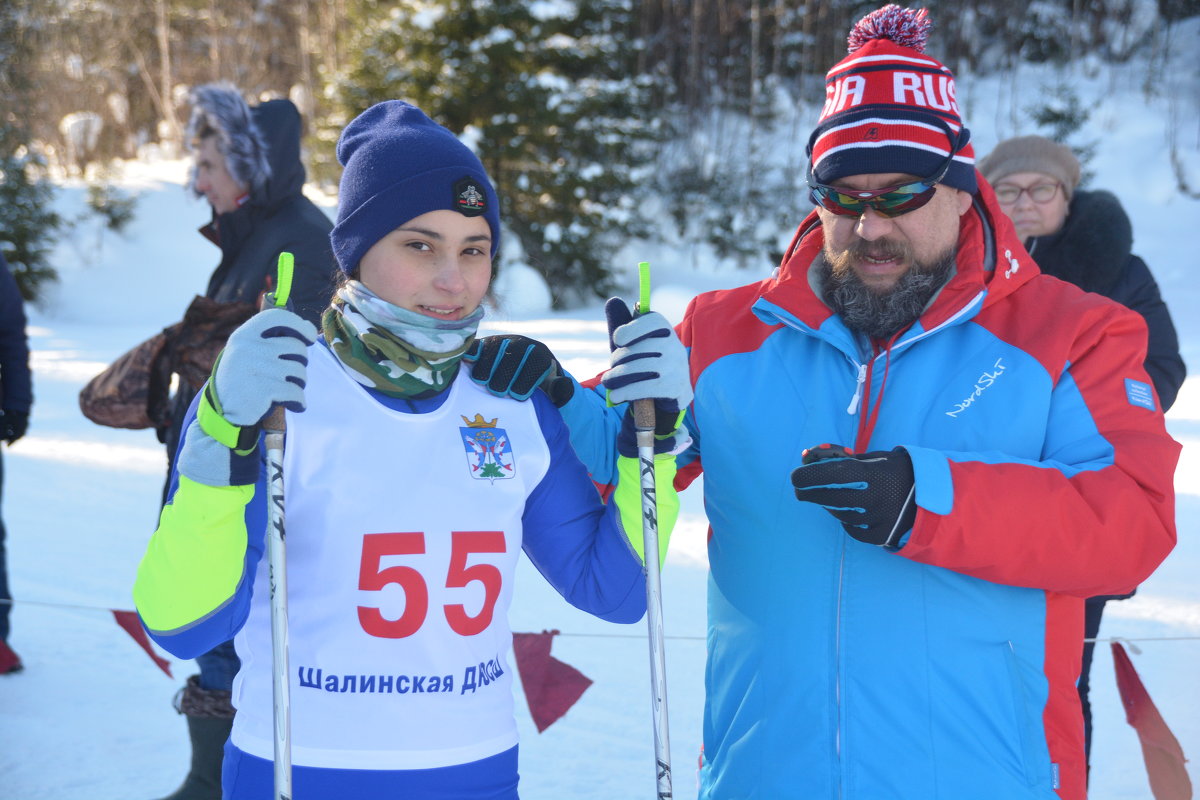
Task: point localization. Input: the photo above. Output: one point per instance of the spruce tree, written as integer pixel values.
(545, 94)
(27, 219)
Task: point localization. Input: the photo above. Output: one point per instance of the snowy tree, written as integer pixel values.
(27, 220)
(545, 92)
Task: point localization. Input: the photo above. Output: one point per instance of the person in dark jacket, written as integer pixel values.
(247, 166)
(1084, 238)
(16, 398)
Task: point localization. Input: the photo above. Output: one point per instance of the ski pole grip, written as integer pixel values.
(643, 303)
(643, 410)
(643, 415)
(283, 283)
(275, 421)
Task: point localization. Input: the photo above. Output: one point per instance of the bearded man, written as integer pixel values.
(975, 448)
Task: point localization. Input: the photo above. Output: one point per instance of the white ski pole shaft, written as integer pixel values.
(275, 428)
(277, 566)
(643, 420)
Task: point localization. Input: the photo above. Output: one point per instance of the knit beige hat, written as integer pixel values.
(1032, 154)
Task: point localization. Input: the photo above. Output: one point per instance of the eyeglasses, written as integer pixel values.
(1008, 194)
(890, 201)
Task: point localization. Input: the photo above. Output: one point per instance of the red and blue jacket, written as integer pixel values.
(944, 669)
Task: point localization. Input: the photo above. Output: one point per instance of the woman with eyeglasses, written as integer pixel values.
(1085, 238)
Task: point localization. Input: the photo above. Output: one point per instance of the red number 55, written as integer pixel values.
(416, 594)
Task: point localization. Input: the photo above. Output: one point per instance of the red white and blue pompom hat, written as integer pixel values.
(889, 108)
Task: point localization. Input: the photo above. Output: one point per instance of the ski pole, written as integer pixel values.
(643, 423)
(274, 429)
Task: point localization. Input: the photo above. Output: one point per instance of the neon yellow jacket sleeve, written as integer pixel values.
(195, 560)
(628, 497)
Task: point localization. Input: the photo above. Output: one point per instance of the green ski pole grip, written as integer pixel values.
(283, 280)
(275, 423)
(643, 410)
(643, 303)
(641, 307)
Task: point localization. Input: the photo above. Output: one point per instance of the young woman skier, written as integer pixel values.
(410, 492)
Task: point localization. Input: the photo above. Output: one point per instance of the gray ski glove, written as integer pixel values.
(648, 363)
(648, 360)
(264, 364)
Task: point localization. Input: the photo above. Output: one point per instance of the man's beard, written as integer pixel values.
(881, 314)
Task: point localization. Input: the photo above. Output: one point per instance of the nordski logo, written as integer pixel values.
(489, 452)
(981, 385)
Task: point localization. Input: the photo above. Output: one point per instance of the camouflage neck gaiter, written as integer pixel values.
(395, 351)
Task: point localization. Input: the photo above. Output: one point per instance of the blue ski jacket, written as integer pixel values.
(944, 669)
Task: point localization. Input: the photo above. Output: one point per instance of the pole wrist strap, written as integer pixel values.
(241, 440)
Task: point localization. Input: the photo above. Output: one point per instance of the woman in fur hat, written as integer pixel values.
(411, 491)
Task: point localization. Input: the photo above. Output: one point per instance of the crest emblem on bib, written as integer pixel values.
(489, 452)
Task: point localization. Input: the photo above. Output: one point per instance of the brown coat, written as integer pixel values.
(134, 391)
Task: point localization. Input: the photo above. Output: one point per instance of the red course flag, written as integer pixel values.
(551, 686)
(1164, 757)
(133, 626)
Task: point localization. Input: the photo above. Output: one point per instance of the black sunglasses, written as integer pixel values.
(890, 201)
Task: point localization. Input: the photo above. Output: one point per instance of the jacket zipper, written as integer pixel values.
(856, 400)
(855, 407)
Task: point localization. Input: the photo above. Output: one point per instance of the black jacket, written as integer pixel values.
(274, 219)
(1093, 251)
(16, 383)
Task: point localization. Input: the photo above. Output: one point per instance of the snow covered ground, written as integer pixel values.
(90, 715)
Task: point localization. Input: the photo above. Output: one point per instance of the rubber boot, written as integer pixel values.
(209, 719)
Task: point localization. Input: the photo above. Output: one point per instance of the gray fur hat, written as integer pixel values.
(1032, 154)
(218, 109)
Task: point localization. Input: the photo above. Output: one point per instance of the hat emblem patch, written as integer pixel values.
(469, 198)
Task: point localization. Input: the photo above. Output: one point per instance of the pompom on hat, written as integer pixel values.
(891, 108)
(1032, 154)
(397, 165)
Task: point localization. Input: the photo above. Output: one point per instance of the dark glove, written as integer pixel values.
(872, 494)
(13, 425)
(663, 443)
(514, 366)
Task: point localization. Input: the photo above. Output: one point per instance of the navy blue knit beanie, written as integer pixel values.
(399, 164)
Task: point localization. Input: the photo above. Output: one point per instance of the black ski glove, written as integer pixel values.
(514, 366)
(13, 425)
(872, 494)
